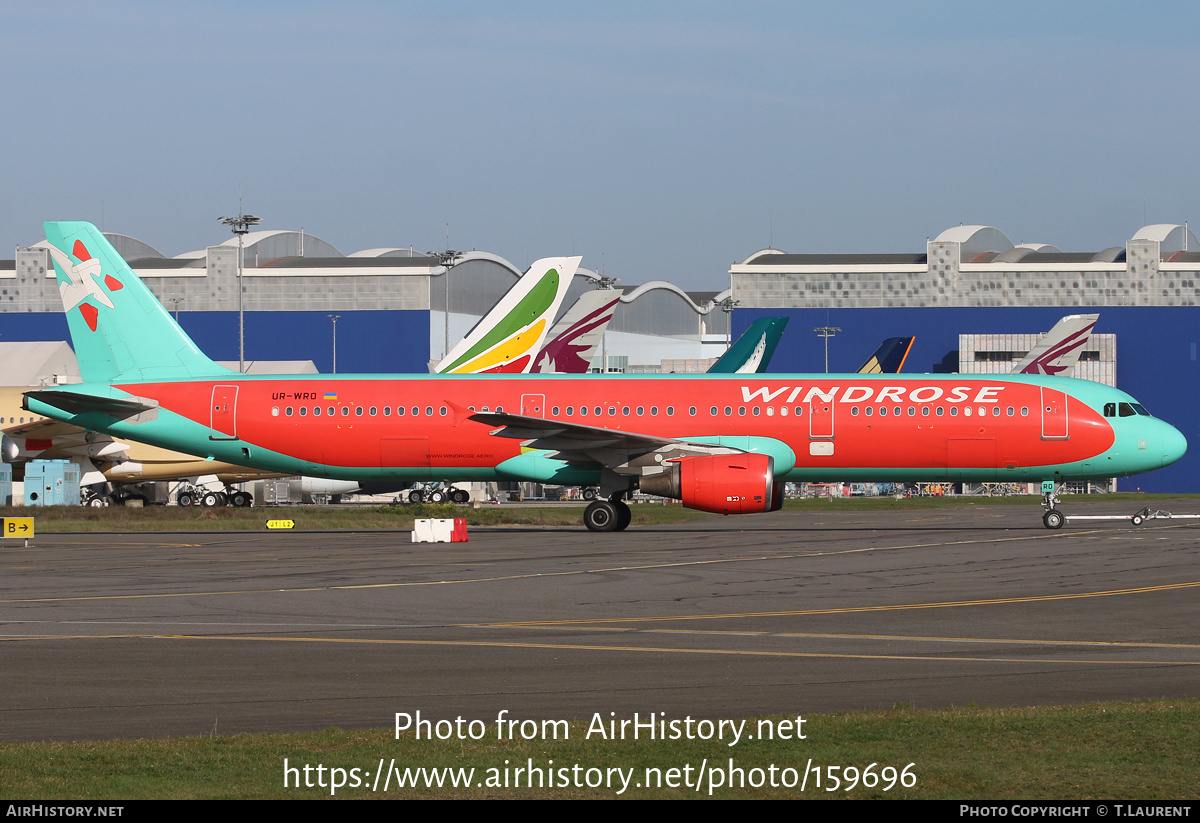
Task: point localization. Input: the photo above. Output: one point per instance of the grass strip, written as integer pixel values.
(1112, 751)
(54, 519)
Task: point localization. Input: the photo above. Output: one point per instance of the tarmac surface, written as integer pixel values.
(132, 635)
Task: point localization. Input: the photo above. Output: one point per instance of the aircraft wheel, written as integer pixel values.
(460, 496)
(1053, 519)
(186, 499)
(589, 494)
(242, 500)
(1136, 520)
(624, 515)
(601, 516)
(97, 501)
(438, 496)
(211, 500)
(416, 496)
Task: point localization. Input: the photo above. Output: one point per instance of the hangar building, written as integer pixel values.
(396, 310)
(972, 280)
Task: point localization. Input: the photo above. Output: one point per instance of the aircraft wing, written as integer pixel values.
(622, 452)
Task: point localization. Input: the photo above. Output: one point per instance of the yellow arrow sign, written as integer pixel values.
(16, 527)
(281, 524)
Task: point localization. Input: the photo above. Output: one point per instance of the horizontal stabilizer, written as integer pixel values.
(76, 403)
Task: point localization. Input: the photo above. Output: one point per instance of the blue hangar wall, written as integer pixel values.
(368, 341)
(1157, 358)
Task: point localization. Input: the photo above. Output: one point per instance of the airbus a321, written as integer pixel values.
(719, 443)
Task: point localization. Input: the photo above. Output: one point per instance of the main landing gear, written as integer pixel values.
(1052, 518)
(612, 515)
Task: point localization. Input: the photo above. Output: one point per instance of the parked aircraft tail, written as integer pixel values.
(751, 352)
(1059, 349)
(574, 338)
(889, 357)
(119, 328)
(508, 336)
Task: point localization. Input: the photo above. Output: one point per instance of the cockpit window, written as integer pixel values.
(1140, 409)
(1110, 409)
(1126, 410)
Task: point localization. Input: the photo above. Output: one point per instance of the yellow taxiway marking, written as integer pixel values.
(604, 648)
(853, 609)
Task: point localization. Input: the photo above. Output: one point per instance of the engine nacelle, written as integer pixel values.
(721, 483)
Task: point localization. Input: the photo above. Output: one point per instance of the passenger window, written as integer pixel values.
(316, 411)
(654, 411)
(288, 411)
(303, 411)
(274, 413)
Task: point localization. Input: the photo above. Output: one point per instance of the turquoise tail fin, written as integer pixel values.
(118, 328)
(751, 353)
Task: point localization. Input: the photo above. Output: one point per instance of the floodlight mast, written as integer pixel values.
(240, 226)
(827, 332)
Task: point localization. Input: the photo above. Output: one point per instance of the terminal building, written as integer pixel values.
(974, 300)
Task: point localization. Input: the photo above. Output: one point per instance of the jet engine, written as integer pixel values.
(721, 483)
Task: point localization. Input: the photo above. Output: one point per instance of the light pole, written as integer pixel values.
(827, 332)
(334, 318)
(241, 226)
(447, 258)
(727, 306)
(175, 301)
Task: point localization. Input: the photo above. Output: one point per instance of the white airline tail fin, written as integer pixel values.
(575, 337)
(1059, 349)
(508, 336)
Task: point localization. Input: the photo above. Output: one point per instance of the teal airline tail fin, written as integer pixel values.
(751, 353)
(119, 329)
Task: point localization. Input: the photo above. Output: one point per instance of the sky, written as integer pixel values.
(660, 140)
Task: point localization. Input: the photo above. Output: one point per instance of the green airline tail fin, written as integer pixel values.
(119, 329)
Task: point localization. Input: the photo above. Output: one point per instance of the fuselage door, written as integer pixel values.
(533, 405)
(223, 413)
(820, 417)
(1055, 421)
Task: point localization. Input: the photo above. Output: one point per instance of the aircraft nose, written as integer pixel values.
(1174, 444)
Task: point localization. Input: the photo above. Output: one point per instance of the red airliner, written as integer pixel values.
(720, 443)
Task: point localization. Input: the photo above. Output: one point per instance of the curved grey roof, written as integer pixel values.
(131, 248)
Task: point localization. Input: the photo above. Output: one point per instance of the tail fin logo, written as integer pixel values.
(82, 280)
(1046, 363)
